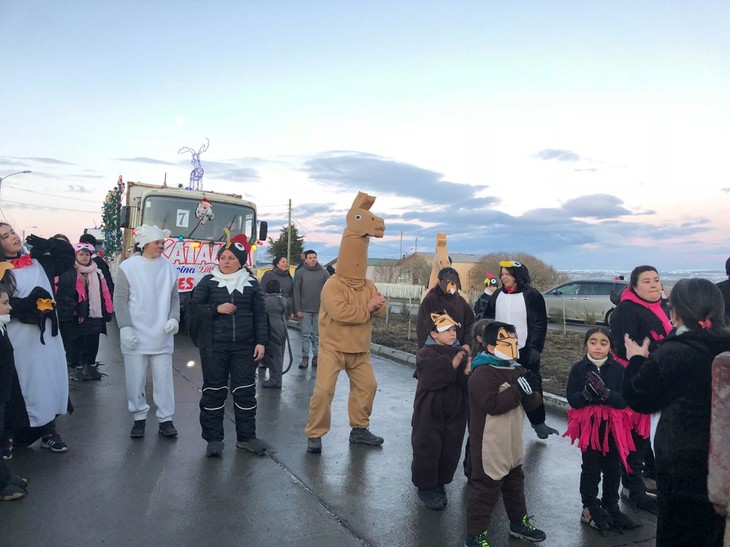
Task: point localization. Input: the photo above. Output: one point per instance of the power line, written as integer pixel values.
(51, 208)
(53, 195)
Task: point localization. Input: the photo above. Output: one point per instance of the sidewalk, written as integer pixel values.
(109, 489)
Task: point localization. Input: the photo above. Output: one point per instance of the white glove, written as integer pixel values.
(129, 339)
(172, 326)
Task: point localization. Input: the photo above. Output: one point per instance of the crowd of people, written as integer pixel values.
(477, 371)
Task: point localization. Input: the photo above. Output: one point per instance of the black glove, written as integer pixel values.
(38, 244)
(590, 394)
(596, 384)
(533, 359)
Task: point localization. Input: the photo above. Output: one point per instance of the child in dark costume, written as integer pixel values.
(500, 392)
(439, 411)
(12, 487)
(599, 422)
(276, 311)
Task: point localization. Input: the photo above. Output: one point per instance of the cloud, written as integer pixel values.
(370, 173)
(142, 159)
(79, 189)
(555, 154)
(51, 161)
(725, 189)
(595, 206)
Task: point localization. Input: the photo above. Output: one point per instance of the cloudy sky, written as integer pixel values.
(593, 135)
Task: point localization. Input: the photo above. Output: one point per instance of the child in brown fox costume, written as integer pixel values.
(348, 303)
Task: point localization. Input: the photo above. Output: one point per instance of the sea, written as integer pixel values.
(669, 277)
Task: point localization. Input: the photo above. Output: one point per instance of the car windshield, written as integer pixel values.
(178, 216)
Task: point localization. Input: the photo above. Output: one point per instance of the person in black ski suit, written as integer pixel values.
(276, 311)
(229, 325)
(676, 379)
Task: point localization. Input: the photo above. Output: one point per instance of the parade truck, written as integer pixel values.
(196, 220)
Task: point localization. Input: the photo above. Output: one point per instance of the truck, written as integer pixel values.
(196, 220)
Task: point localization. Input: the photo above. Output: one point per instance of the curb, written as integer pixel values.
(556, 402)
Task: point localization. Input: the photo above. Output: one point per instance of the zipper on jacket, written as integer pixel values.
(233, 320)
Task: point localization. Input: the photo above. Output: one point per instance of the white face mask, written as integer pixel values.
(4, 319)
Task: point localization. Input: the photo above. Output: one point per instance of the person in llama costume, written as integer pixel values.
(348, 303)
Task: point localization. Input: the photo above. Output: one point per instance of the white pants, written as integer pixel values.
(163, 392)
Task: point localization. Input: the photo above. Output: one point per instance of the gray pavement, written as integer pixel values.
(109, 489)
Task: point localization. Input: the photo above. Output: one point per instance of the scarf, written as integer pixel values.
(654, 307)
(484, 358)
(21, 261)
(598, 362)
(237, 280)
(93, 295)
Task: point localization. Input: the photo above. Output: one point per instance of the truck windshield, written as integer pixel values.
(178, 216)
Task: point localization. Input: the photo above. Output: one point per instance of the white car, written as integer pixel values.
(587, 301)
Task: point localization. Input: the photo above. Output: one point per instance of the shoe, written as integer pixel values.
(6, 449)
(543, 430)
(314, 361)
(167, 429)
(641, 500)
(54, 443)
(12, 492)
(138, 429)
(477, 541)
(17, 480)
(362, 435)
(524, 529)
(77, 374)
(620, 520)
(314, 445)
(257, 446)
(597, 518)
(304, 363)
(431, 498)
(270, 384)
(215, 449)
(650, 485)
(91, 373)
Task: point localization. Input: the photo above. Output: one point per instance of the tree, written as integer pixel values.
(110, 213)
(543, 275)
(279, 247)
(410, 270)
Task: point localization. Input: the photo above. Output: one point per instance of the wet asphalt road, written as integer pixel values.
(109, 489)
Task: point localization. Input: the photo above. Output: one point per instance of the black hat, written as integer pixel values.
(88, 238)
(238, 245)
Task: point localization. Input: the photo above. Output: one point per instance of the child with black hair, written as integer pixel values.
(500, 392)
(439, 410)
(276, 311)
(12, 487)
(598, 420)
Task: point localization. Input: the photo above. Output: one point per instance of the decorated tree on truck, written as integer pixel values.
(111, 210)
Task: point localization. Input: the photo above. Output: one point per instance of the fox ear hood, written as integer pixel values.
(443, 321)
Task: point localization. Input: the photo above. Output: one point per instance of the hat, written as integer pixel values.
(443, 322)
(88, 238)
(273, 286)
(238, 245)
(145, 234)
(78, 247)
(490, 280)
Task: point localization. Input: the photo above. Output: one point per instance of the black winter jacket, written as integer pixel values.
(638, 322)
(677, 379)
(247, 326)
(612, 374)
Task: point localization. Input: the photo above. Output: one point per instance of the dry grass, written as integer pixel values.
(560, 353)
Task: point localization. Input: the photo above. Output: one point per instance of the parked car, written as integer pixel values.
(587, 301)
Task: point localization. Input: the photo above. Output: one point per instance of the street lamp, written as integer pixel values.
(11, 174)
(25, 229)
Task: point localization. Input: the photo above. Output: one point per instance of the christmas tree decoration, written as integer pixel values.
(110, 214)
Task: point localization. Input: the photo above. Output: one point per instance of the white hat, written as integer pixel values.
(145, 234)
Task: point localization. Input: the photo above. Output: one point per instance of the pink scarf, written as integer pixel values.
(94, 293)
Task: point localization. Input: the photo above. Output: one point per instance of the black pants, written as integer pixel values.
(536, 415)
(230, 363)
(634, 481)
(4, 471)
(595, 464)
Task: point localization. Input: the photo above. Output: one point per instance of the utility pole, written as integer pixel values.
(401, 244)
(416, 246)
(288, 239)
